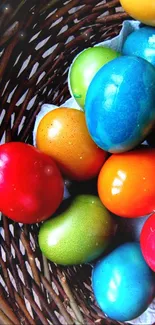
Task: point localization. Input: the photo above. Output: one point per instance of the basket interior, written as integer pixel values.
(38, 41)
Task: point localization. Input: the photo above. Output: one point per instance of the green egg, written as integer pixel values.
(84, 68)
(79, 234)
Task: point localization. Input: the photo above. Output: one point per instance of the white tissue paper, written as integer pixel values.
(148, 317)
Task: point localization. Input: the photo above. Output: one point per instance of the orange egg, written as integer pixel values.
(143, 10)
(126, 184)
(63, 134)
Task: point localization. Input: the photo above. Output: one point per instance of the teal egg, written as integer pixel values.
(123, 283)
(120, 104)
(141, 43)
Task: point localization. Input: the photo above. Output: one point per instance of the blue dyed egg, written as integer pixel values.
(141, 43)
(120, 104)
(123, 284)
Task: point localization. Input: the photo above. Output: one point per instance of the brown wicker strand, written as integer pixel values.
(30, 258)
(22, 306)
(72, 301)
(10, 32)
(6, 57)
(25, 132)
(57, 300)
(35, 307)
(7, 310)
(12, 266)
(46, 307)
(50, 4)
(22, 265)
(46, 268)
(106, 5)
(6, 278)
(22, 320)
(4, 319)
(114, 17)
(7, 232)
(22, 110)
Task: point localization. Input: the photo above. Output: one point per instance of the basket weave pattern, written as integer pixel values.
(38, 41)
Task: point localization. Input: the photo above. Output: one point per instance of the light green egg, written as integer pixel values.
(79, 234)
(84, 68)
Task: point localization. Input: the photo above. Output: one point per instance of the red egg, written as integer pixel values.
(31, 186)
(147, 241)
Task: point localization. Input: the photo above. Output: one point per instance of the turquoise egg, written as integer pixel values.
(141, 43)
(120, 104)
(123, 284)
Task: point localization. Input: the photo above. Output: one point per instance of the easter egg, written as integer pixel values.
(141, 43)
(84, 67)
(31, 186)
(125, 183)
(63, 135)
(123, 283)
(147, 241)
(120, 104)
(79, 234)
(143, 10)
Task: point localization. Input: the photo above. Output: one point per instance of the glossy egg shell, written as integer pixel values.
(143, 10)
(80, 233)
(141, 43)
(63, 135)
(84, 67)
(123, 283)
(125, 183)
(147, 241)
(120, 104)
(31, 185)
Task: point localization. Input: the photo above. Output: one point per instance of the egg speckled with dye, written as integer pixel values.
(141, 43)
(84, 68)
(80, 233)
(143, 10)
(120, 104)
(63, 135)
(123, 283)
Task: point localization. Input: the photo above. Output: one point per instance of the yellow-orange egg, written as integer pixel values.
(143, 10)
(63, 134)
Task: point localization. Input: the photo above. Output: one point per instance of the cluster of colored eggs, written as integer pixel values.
(117, 94)
(119, 114)
(118, 97)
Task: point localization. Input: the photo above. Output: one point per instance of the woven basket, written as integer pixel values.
(38, 41)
